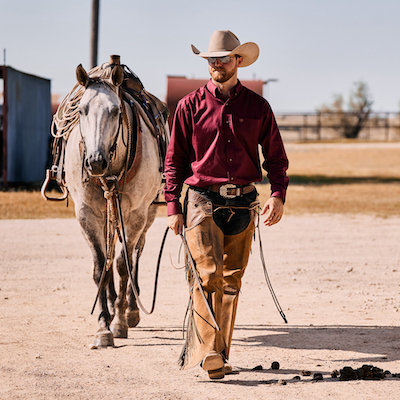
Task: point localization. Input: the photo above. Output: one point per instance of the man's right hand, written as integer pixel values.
(175, 223)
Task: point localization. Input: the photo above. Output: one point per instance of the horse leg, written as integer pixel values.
(104, 336)
(119, 325)
(132, 312)
(111, 294)
(92, 228)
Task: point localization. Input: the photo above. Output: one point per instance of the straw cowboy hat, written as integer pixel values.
(225, 43)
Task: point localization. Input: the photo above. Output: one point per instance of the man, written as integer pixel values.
(216, 133)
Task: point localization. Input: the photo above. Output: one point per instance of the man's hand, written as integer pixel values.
(175, 223)
(273, 209)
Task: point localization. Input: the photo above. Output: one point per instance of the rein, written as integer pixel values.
(274, 298)
(116, 230)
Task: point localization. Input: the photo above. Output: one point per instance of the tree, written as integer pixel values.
(349, 122)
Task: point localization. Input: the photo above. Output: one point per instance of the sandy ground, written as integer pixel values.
(336, 277)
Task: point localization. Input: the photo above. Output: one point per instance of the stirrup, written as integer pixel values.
(51, 175)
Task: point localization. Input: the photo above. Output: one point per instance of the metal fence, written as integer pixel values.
(319, 126)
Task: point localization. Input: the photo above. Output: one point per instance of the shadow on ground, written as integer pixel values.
(373, 343)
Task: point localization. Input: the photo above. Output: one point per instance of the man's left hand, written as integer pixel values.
(273, 210)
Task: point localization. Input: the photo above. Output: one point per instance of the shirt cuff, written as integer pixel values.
(173, 208)
(281, 194)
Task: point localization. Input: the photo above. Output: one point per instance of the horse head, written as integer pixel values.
(100, 118)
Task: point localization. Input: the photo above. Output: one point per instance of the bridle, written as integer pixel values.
(120, 131)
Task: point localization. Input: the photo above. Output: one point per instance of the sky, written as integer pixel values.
(316, 49)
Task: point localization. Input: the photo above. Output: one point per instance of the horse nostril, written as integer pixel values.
(96, 166)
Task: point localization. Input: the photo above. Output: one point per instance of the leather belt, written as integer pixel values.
(230, 191)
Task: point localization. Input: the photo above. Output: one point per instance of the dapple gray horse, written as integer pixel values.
(106, 143)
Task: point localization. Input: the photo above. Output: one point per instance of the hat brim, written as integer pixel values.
(249, 51)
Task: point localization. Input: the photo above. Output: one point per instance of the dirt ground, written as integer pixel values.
(336, 277)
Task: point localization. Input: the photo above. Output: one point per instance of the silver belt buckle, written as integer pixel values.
(223, 191)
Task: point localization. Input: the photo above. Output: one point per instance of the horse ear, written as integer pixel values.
(117, 75)
(82, 76)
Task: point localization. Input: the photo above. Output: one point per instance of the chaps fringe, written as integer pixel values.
(191, 328)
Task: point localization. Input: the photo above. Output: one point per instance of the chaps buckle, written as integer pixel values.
(223, 191)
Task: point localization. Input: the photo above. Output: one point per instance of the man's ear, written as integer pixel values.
(239, 61)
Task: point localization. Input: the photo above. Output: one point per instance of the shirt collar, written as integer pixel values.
(215, 91)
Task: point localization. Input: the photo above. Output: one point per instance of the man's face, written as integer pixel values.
(221, 72)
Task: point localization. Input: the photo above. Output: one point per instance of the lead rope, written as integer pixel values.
(275, 299)
(111, 238)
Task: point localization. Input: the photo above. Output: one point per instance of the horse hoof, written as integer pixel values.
(103, 338)
(133, 318)
(119, 331)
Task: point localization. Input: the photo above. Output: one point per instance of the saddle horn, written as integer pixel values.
(117, 75)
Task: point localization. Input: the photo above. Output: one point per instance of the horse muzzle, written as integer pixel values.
(96, 165)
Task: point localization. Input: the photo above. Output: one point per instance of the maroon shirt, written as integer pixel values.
(215, 141)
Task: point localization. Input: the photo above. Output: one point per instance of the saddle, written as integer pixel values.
(153, 111)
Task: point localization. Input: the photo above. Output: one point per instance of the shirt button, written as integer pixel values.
(230, 160)
(232, 178)
(229, 140)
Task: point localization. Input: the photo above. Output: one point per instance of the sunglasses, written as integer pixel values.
(224, 60)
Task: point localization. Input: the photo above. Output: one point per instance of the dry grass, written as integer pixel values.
(379, 199)
(325, 178)
(30, 204)
(343, 178)
(352, 160)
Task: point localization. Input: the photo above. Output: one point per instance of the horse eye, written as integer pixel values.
(115, 111)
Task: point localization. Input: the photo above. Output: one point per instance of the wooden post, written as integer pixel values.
(95, 33)
(387, 122)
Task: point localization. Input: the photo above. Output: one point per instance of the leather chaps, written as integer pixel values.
(219, 234)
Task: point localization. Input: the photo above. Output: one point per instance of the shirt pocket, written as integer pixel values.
(247, 130)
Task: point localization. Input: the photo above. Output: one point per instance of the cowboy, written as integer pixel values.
(216, 133)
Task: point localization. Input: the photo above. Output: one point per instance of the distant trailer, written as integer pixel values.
(25, 126)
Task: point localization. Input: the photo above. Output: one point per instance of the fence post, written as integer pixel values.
(319, 125)
(305, 125)
(387, 121)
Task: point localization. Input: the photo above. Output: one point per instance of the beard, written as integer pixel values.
(221, 75)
